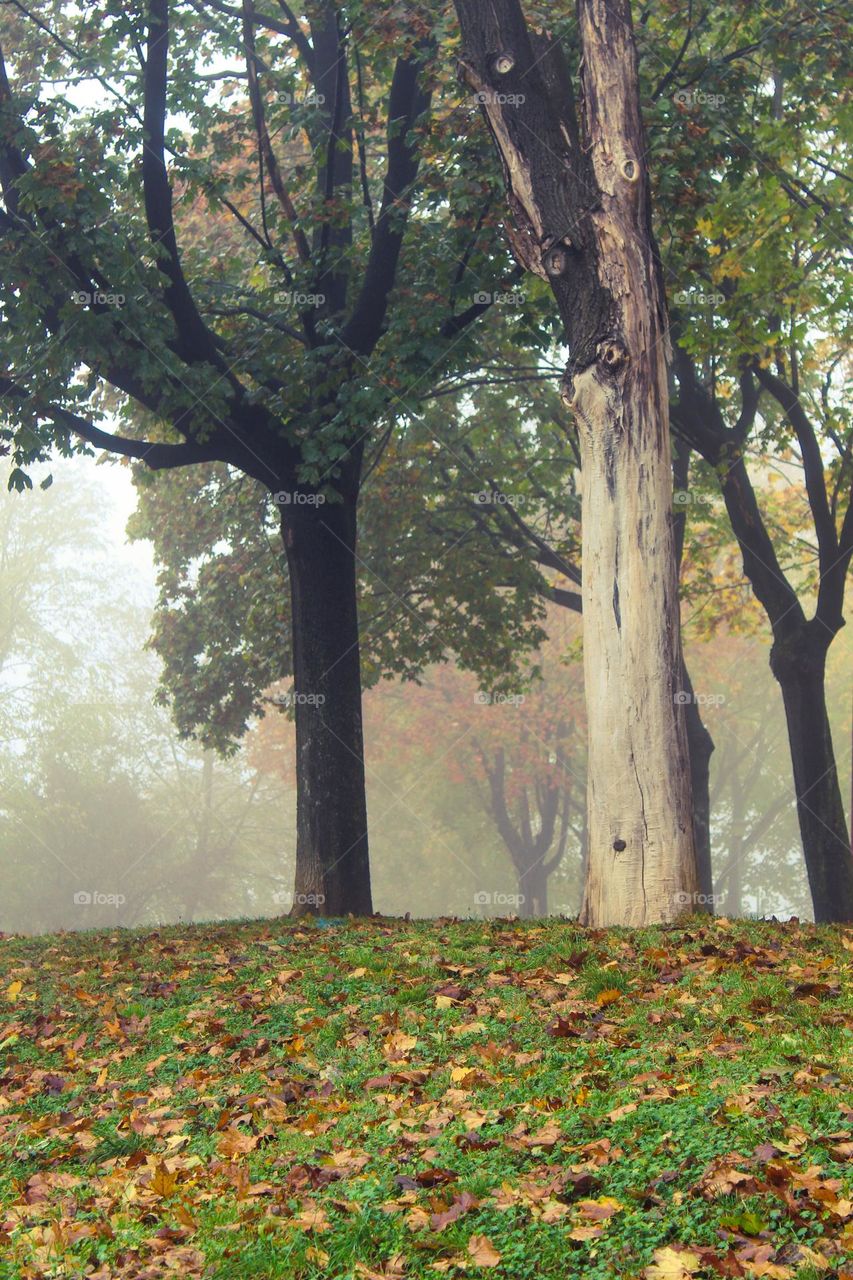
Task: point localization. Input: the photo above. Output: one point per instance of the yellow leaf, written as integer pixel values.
(399, 1044)
(163, 1182)
(14, 990)
(673, 1264)
(585, 1233)
(482, 1252)
(610, 996)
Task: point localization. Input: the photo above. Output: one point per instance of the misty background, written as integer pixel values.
(108, 818)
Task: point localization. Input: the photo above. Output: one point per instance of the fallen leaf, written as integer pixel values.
(482, 1252)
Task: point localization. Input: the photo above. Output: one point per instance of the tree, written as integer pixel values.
(759, 359)
(578, 194)
(206, 351)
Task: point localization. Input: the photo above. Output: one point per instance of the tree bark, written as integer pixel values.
(332, 866)
(578, 191)
(799, 664)
(700, 748)
(700, 744)
(533, 891)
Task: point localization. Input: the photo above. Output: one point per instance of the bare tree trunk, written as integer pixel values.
(332, 865)
(799, 664)
(578, 190)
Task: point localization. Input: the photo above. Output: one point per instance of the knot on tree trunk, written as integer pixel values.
(612, 355)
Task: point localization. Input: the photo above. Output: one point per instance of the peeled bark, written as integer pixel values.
(578, 191)
(332, 866)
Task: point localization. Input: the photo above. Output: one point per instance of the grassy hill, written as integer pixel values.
(411, 1100)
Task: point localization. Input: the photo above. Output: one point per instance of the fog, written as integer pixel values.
(109, 819)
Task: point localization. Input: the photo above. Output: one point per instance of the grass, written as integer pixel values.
(409, 1100)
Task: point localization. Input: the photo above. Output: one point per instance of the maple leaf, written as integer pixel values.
(482, 1252)
(673, 1264)
(163, 1182)
(398, 1045)
(234, 1142)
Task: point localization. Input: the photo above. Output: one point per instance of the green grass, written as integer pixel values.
(274, 1099)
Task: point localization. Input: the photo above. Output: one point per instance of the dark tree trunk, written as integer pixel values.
(737, 851)
(700, 748)
(533, 890)
(332, 866)
(700, 744)
(799, 664)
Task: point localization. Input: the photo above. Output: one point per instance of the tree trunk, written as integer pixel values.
(332, 866)
(578, 190)
(700, 748)
(700, 744)
(799, 664)
(642, 864)
(737, 851)
(533, 889)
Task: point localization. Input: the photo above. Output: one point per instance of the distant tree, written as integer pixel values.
(279, 353)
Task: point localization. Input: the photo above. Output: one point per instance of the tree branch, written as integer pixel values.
(155, 455)
(407, 101)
